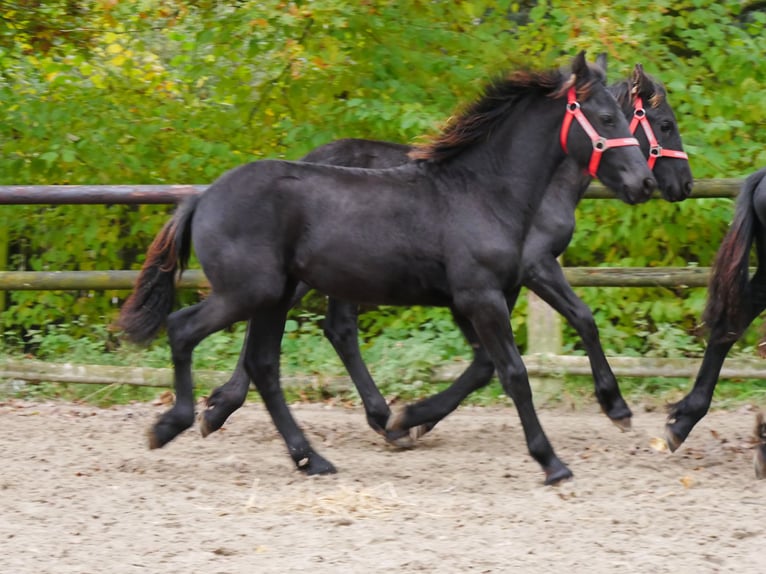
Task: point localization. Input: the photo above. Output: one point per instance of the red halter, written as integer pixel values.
(600, 144)
(655, 149)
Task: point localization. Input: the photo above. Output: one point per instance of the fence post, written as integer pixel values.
(543, 338)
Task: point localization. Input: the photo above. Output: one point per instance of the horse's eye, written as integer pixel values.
(607, 120)
(666, 126)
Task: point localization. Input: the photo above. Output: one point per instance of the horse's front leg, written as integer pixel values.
(264, 337)
(423, 415)
(683, 415)
(488, 312)
(546, 278)
(686, 413)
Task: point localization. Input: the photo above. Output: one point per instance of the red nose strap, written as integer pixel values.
(655, 149)
(600, 144)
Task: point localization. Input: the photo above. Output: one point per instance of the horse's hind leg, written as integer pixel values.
(227, 398)
(264, 337)
(422, 416)
(186, 328)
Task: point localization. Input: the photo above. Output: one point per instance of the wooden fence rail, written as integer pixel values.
(542, 359)
(195, 279)
(168, 194)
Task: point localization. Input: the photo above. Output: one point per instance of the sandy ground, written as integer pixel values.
(81, 493)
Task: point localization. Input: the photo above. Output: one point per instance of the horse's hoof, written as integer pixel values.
(397, 419)
(620, 415)
(210, 420)
(624, 424)
(419, 431)
(557, 475)
(400, 438)
(204, 428)
(169, 425)
(314, 465)
(154, 440)
(672, 439)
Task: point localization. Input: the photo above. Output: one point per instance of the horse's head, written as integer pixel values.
(654, 125)
(601, 141)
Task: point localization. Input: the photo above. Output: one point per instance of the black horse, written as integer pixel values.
(644, 101)
(734, 300)
(447, 229)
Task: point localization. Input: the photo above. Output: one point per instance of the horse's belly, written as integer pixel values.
(384, 281)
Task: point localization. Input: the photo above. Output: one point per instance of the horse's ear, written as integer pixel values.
(638, 80)
(601, 61)
(580, 66)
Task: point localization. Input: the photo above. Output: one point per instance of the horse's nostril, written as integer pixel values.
(688, 187)
(649, 185)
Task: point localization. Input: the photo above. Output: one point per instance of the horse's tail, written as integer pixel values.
(144, 313)
(728, 288)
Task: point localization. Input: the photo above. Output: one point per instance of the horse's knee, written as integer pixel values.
(482, 366)
(339, 333)
(584, 321)
(516, 382)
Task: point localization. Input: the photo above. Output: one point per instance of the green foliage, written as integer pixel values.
(177, 92)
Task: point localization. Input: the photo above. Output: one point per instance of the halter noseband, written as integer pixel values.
(600, 143)
(655, 149)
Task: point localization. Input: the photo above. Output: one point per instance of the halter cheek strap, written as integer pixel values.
(655, 149)
(600, 144)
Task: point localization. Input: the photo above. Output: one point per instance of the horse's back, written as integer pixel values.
(300, 218)
(352, 152)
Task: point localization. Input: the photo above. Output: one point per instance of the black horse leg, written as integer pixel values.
(683, 415)
(264, 338)
(548, 281)
(686, 413)
(423, 415)
(227, 398)
(759, 458)
(186, 328)
(488, 312)
(340, 328)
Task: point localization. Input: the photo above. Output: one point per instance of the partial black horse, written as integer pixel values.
(644, 101)
(759, 458)
(734, 300)
(447, 229)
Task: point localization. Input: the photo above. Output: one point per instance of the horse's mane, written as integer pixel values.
(650, 89)
(497, 100)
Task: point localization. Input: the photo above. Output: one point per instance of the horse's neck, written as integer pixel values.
(524, 152)
(568, 185)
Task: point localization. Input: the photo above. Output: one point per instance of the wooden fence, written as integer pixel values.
(543, 357)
